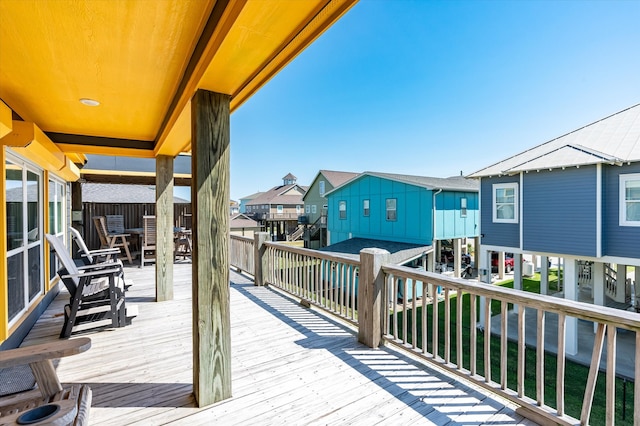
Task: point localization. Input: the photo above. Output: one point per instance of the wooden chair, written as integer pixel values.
(92, 257)
(96, 292)
(110, 239)
(73, 401)
(148, 237)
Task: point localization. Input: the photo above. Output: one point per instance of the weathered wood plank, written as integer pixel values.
(210, 257)
(164, 228)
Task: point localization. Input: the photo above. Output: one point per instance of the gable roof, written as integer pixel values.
(335, 178)
(281, 194)
(240, 220)
(612, 140)
(251, 197)
(121, 193)
(454, 183)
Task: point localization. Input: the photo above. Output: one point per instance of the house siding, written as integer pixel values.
(313, 198)
(497, 234)
(559, 211)
(449, 222)
(617, 240)
(411, 226)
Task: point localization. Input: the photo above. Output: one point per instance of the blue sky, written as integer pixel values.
(434, 88)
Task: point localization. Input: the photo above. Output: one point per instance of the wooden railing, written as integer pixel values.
(241, 252)
(416, 325)
(448, 322)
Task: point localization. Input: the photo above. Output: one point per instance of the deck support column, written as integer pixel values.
(544, 275)
(210, 116)
(370, 300)
(517, 274)
(164, 228)
(597, 275)
(457, 256)
(259, 249)
(571, 293)
(501, 266)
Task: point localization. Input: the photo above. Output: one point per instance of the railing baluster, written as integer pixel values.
(404, 311)
(394, 301)
(447, 327)
(459, 348)
(521, 350)
(435, 323)
(562, 319)
(425, 291)
(504, 329)
(540, 359)
(593, 374)
(487, 340)
(611, 375)
(473, 337)
(414, 317)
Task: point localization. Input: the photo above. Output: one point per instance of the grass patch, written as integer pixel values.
(575, 374)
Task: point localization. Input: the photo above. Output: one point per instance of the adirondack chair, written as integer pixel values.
(90, 257)
(66, 405)
(148, 237)
(96, 292)
(111, 239)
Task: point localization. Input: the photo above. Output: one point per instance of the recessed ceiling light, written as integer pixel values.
(89, 102)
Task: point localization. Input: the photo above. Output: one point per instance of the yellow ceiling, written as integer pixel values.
(143, 60)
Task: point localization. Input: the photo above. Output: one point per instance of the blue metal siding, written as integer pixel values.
(559, 211)
(449, 221)
(413, 211)
(496, 234)
(617, 240)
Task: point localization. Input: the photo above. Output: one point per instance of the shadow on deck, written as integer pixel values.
(291, 365)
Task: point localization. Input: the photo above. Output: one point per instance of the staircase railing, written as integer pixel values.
(297, 234)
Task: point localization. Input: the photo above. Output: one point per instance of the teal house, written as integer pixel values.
(424, 211)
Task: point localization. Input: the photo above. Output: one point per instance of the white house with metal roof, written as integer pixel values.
(576, 197)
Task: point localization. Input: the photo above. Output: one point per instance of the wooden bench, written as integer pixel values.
(74, 400)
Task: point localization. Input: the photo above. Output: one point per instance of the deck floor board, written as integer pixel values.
(291, 365)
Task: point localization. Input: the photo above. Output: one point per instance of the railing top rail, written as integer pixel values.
(581, 310)
(315, 253)
(241, 237)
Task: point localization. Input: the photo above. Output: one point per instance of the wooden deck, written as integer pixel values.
(291, 365)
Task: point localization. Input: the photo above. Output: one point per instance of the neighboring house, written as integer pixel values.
(240, 224)
(401, 208)
(315, 206)
(234, 207)
(245, 200)
(278, 208)
(576, 197)
(122, 193)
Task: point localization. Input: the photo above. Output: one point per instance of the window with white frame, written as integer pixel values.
(321, 187)
(23, 186)
(463, 207)
(505, 202)
(307, 208)
(365, 208)
(280, 209)
(298, 209)
(391, 209)
(57, 218)
(342, 209)
(630, 199)
(314, 209)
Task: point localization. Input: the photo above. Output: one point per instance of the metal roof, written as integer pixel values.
(612, 140)
(454, 183)
(120, 193)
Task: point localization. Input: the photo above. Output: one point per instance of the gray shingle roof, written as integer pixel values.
(119, 193)
(336, 178)
(612, 140)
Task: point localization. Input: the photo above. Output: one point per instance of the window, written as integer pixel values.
(280, 209)
(463, 207)
(505, 202)
(57, 219)
(298, 209)
(321, 187)
(313, 209)
(24, 236)
(365, 207)
(307, 208)
(391, 209)
(342, 209)
(630, 199)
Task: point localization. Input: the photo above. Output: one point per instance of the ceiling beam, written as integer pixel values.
(69, 143)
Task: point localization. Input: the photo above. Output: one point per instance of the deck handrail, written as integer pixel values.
(331, 282)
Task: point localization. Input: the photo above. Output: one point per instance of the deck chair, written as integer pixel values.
(96, 292)
(91, 257)
(111, 239)
(72, 401)
(148, 237)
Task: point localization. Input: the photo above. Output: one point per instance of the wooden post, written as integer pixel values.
(210, 258)
(164, 228)
(544, 275)
(259, 248)
(370, 288)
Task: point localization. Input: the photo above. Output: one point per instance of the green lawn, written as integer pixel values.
(575, 374)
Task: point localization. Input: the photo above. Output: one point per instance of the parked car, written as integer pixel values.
(508, 261)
